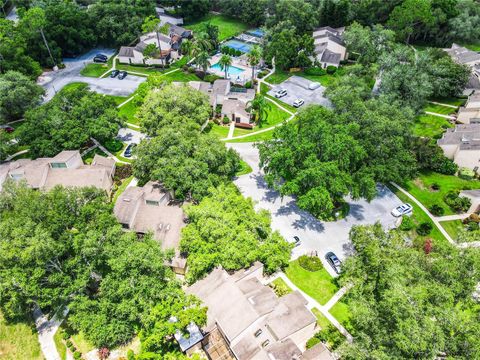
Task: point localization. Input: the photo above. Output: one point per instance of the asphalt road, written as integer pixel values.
(54, 81)
(316, 236)
(297, 88)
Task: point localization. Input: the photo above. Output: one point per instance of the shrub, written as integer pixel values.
(310, 263)
(113, 145)
(65, 335)
(427, 247)
(457, 203)
(238, 53)
(130, 354)
(407, 223)
(191, 70)
(77, 355)
(185, 67)
(225, 120)
(472, 218)
(312, 342)
(435, 186)
(472, 226)
(69, 343)
(330, 335)
(465, 173)
(316, 71)
(123, 171)
(424, 228)
(211, 78)
(445, 166)
(248, 84)
(437, 210)
(331, 69)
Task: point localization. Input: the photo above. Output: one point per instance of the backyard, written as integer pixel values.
(422, 188)
(227, 27)
(320, 285)
(430, 126)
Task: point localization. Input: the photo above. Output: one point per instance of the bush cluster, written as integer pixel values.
(331, 69)
(328, 335)
(457, 203)
(407, 223)
(315, 71)
(123, 171)
(424, 228)
(310, 263)
(230, 51)
(437, 210)
(113, 145)
(211, 78)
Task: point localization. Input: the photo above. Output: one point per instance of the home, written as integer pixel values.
(467, 57)
(474, 196)
(233, 101)
(169, 47)
(462, 145)
(66, 169)
(166, 18)
(330, 48)
(150, 209)
(470, 112)
(246, 320)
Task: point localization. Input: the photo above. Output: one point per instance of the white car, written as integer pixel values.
(299, 102)
(404, 209)
(281, 93)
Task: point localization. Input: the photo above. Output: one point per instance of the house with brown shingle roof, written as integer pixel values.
(247, 320)
(150, 209)
(66, 169)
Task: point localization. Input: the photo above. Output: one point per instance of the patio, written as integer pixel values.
(239, 72)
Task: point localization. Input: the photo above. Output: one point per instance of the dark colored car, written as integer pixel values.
(122, 75)
(102, 56)
(7, 128)
(297, 241)
(99, 59)
(129, 150)
(114, 73)
(334, 262)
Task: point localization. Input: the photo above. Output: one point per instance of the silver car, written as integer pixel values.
(404, 209)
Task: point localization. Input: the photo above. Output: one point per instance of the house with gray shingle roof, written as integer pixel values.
(329, 46)
(469, 58)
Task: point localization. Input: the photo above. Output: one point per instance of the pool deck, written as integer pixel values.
(239, 62)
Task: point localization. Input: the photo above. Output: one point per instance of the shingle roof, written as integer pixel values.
(331, 57)
(462, 54)
(126, 51)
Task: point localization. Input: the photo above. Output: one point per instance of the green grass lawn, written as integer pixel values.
(281, 103)
(118, 99)
(419, 216)
(341, 312)
(181, 76)
(327, 79)
(119, 154)
(121, 188)
(61, 347)
(129, 110)
(420, 188)
(95, 70)
(322, 321)
(452, 227)
(278, 77)
(430, 126)
(219, 131)
(473, 47)
(18, 341)
(274, 116)
(227, 27)
(74, 85)
(439, 109)
(81, 343)
(451, 101)
(267, 135)
(280, 287)
(319, 285)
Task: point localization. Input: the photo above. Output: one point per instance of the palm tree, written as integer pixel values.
(150, 24)
(187, 48)
(225, 62)
(258, 107)
(202, 60)
(202, 41)
(254, 56)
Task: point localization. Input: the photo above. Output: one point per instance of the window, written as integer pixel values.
(58, 165)
(151, 202)
(265, 343)
(16, 177)
(258, 332)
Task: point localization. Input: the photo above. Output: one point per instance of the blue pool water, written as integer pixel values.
(238, 45)
(232, 70)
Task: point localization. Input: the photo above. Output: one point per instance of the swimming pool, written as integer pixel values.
(232, 70)
(238, 45)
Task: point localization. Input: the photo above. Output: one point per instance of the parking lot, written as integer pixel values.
(298, 88)
(316, 237)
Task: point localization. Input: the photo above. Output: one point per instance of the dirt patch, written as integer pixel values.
(419, 183)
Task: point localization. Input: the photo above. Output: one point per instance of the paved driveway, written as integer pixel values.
(54, 81)
(129, 136)
(316, 236)
(297, 87)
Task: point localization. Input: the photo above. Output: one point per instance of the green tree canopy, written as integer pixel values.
(185, 161)
(224, 229)
(68, 121)
(176, 105)
(17, 95)
(326, 155)
(408, 303)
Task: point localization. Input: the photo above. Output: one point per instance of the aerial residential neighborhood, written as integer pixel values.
(239, 180)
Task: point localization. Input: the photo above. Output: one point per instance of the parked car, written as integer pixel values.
(404, 209)
(299, 102)
(122, 75)
(281, 93)
(333, 260)
(102, 56)
(100, 59)
(129, 150)
(7, 128)
(297, 241)
(114, 73)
